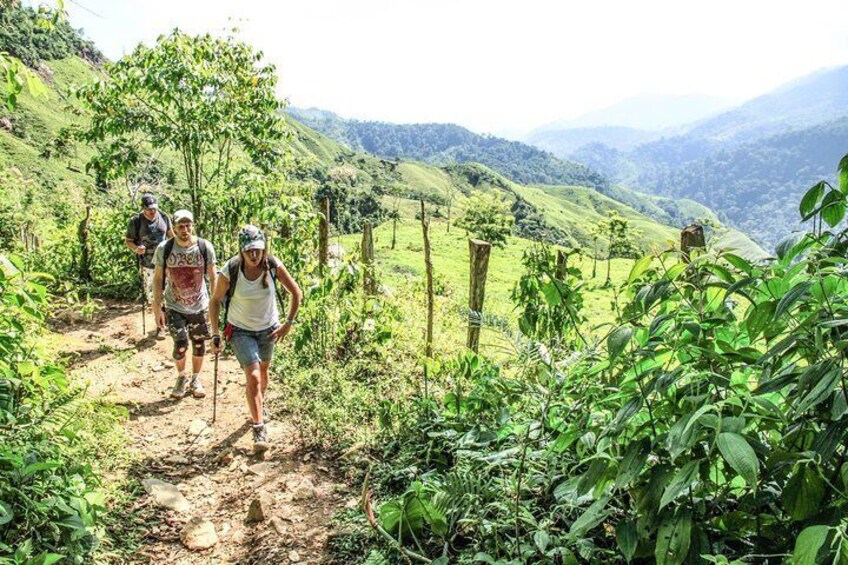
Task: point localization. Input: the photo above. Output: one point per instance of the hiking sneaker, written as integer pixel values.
(260, 439)
(196, 388)
(159, 335)
(179, 390)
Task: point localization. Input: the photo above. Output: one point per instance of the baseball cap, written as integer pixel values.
(183, 215)
(251, 237)
(149, 202)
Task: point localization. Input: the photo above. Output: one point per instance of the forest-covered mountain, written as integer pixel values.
(751, 163)
(449, 143)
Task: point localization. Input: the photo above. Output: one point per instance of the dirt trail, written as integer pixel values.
(212, 466)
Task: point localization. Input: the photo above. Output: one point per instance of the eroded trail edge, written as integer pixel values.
(197, 483)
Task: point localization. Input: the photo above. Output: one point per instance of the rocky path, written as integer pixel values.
(202, 484)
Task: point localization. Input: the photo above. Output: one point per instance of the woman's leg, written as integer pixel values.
(263, 376)
(254, 391)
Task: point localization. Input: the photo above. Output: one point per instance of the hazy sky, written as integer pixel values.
(493, 65)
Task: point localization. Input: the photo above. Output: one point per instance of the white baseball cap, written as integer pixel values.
(181, 215)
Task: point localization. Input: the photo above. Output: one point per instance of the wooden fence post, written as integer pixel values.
(85, 260)
(428, 268)
(692, 236)
(323, 233)
(479, 251)
(368, 259)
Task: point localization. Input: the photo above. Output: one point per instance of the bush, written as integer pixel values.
(709, 424)
(51, 505)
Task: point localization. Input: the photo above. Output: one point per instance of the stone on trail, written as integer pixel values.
(305, 489)
(278, 525)
(198, 427)
(168, 364)
(259, 509)
(199, 533)
(166, 495)
(259, 469)
(294, 556)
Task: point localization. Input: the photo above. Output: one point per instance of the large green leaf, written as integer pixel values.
(809, 543)
(803, 493)
(630, 409)
(6, 513)
(843, 175)
(739, 455)
(618, 340)
(685, 477)
(627, 538)
(592, 475)
(591, 517)
(820, 391)
(632, 462)
(673, 538)
(833, 208)
(811, 200)
(790, 298)
(639, 268)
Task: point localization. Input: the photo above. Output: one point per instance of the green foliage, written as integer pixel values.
(550, 299)
(34, 36)
(207, 98)
(51, 505)
(487, 217)
(713, 426)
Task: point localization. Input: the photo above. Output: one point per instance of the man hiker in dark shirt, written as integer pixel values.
(145, 231)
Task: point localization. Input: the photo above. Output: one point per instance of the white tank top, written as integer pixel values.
(252, 307)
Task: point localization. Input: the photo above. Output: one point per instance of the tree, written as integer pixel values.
(450, 196)
(487, 218)
(620, 236)
(207, 98)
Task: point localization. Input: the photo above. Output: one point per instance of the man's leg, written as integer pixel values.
(199, 332)
(177, 327)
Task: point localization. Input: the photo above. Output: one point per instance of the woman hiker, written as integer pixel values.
(247, 286)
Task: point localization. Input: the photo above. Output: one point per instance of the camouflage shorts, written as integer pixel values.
(184, 327)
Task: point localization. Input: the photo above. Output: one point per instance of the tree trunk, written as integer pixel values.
(394, 231)
(595, 260)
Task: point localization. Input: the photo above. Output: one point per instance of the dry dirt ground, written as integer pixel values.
(212, 465)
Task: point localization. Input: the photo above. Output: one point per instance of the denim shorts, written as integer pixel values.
(252, 347)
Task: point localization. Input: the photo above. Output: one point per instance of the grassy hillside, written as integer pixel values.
(27, 132)
(28, 142)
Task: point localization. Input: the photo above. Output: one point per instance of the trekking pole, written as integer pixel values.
(216, 341)
(143, 296)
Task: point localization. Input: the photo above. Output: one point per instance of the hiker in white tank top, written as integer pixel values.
(253, 306)
(248, 283)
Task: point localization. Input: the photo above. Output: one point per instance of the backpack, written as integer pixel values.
(234, 270)
(169, 247)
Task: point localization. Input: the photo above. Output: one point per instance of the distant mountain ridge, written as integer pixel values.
(751, 163)
(650, 112)
(448, 143)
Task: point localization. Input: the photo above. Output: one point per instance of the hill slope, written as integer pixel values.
(448, 143)
(361, 185)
